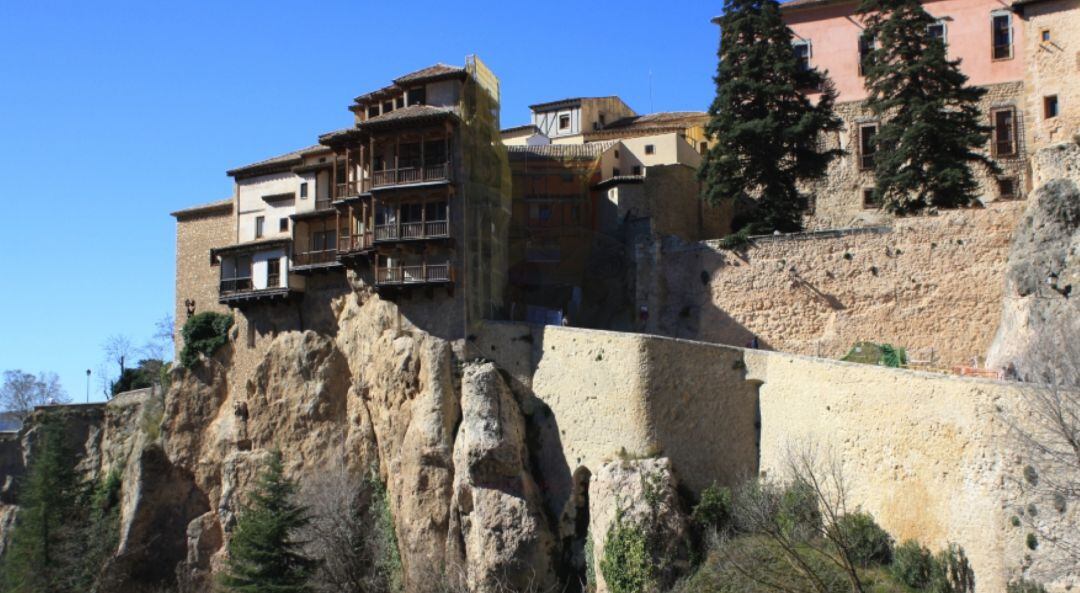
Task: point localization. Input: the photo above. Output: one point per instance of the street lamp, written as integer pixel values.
(87, 385)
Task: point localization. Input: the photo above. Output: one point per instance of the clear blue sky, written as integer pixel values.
(113, 114)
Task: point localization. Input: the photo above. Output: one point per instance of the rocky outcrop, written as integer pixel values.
(644, 494)
(1040, 317)
(499, 535)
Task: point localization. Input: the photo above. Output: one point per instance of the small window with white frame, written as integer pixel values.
(1001, 32)
(802, 52)
(938, 30)
(564, 122)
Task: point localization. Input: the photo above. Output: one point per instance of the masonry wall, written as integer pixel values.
(196, 279)
(931, 284)
(929, 455)
(1053, 69)
(837, 200)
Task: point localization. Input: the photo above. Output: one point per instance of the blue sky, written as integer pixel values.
(113, 114)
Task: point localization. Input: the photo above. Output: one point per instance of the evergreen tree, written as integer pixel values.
(264, 557)
(766, 128)
(43, 553)
(931, 128)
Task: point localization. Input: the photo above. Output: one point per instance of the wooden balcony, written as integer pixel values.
(314, 258)
(441, 273)
(351, 189)
(412, 231)
(239, 292)
(235, 285)
(355, 243)
(425, 173)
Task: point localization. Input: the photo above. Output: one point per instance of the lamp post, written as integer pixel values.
(87, 385)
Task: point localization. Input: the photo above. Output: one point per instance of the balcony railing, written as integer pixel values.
(349, 243)
(421, 274)
(351, 189)
(324, 204)
(313, 258)
(407, 175)
(412, 231)
(234, 285)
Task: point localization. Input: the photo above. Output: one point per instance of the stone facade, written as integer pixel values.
(1053, 69)
(198, 230)
(932, 284)
(837, 201)
(928, 455)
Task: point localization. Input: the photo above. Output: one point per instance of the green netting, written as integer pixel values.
(879, 354)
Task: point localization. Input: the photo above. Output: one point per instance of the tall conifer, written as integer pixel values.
(264, 556)
(767, 130)
(930, 131)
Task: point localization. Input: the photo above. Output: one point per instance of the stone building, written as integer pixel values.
(1018, 52)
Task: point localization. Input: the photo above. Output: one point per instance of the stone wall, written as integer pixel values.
(928, 455)
(1053, 70)
(198, 230)
(931, 284)
(838, 199)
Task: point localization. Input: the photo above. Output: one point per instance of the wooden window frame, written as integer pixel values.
(809, 51)
(862, 154)
(1014, 141)
(993, 32)
(1049, 100)
(260, 227)
(1014, 181)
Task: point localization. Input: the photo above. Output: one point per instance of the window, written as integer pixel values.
(869, 200)
(1045, 35)
(703, 147)
(1001, 31)
(435, 211)
(373, 111)
(616, 172)
(1007, 188)
(867, 146)
(323, 240)
(636, 170)
(303, 190)
(273, 273)
(866, 46)
(937, 31)
(1004, 122)
(603, 120)
(260, 226)
(650, 149)
(1050, 106)
(399, 102)
(387, 106)
(616, 153)
(283, 225)
(564, 122)
(418, 96)
(802, 53)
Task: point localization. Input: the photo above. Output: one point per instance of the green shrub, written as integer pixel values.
(713, 511)
(913, 565)
(798, 514)
(879, 354)
(867, 541)
(204, 333)
(627, 566)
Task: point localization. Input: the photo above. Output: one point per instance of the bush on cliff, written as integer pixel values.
(627, 564)
(264, 554)
(204, 333)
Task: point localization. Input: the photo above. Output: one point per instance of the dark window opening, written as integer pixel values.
(936, 31)
(283, 225)
(866, 47)
(418, 96)
(260, 224)
(1050, 106)
(869, 199)
(1008, 188)
(399, 102)
(387, 106)
(435, 211)
(273, 273)
(303, 190)
(636, 170)
(616, 172)
(867, 146)
(564, 122)
(435, 152)
(1004, 121)
(802, 54)
(1001, 30)
(703, 147)
(373, 111)
(1045, 35)
(650, 149)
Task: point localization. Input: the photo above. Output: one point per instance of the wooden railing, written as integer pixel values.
(406, 175)
(273, 280)
(324, 204)
(349, 243)
(432, 229)
(421, 274)
(352, 188)
(311, 258)
(230, 285)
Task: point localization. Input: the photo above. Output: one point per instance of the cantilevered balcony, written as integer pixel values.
(310, 259)
(352, 189)
(421, 173)
(412, 231)
(425, 273)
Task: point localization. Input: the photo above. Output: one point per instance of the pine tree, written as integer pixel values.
(931, 129)
(42, 556)
(264, 557)
(766, 128)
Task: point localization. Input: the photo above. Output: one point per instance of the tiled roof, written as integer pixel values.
(517, 129)
(620, 180)
(591, 150)
(412, 114)
(642, 125)
(250, 245)
(573, 101)
(281, 162)
(204, 208)
(429, 74)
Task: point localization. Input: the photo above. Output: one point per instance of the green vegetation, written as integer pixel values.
(1025, 586)
(264, 555)
(147, 374)
(879, 354)
(387, 563)
(918, 568)
(65, 530)
(627, 565)
(767, 131)
(867, 542)
(931, 126)
(713, 511)
(204, 333)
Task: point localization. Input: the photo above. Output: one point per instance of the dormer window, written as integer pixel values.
(418, 96)
(564, 122)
